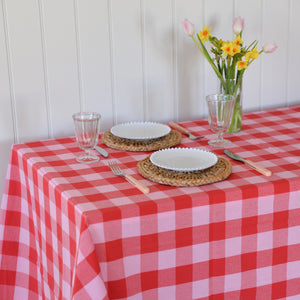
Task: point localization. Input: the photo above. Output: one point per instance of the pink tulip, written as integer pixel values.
(238, 25)
(188, 27)
(269, 47)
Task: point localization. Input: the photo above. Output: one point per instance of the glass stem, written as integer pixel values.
(220, 136)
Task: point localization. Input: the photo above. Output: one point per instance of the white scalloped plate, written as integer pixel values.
(183, 159)
(140, 130)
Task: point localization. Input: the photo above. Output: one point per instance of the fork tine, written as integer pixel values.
(118, 168)
(110, 164)
(114, 167)
(119, 172)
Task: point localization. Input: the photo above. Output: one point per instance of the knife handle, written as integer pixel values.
(178, 127)
(258, 168)
(137, 184)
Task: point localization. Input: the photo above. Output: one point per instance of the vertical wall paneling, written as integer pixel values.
(143, 54)
(61, 52)
(250, 10)
(127, 43)
(78, 56)
(175, 61)
(293, 58)
(95, 58)
(190, 62)
(7, 116)
(27, 68)
(274, 72)
(45, 68)
(159, 67)
(7, 101)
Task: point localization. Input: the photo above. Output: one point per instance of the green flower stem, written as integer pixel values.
(239, 81)
(233, 87)
(209, 59)
(236, 120)
(252, 45)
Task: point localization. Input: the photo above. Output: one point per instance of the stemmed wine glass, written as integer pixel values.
(220, 107)
(87, 126)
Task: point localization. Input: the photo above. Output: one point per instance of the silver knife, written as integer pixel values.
(101, 151)
(250, 163)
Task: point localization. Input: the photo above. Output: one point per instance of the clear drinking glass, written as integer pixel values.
(87, 126)
(220, 107)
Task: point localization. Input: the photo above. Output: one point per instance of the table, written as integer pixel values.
(76, 231)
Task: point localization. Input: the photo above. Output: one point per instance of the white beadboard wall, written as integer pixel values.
(130, 60)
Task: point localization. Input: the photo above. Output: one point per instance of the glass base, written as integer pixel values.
(87, 159)
(219, 143)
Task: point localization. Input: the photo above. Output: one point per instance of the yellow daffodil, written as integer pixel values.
(252, 54)
(204, 34)
(235, 49)
(242, 65)
(237, 41)
(227, 48)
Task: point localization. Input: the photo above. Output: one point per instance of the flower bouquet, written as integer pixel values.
(229, 60)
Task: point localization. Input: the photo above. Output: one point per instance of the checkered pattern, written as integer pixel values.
(76, 231)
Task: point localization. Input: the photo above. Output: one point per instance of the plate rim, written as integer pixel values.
(168, 130)
(183, 169)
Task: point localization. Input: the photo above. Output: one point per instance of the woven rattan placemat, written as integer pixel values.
(170, 140)
(220, 171)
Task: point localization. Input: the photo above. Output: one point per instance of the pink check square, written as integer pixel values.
(293, 270)
(168, 292)
(233, 246)
(132, 265)
(131, 227)
(234, 210)
(264, 240)
(232, 282)
(264, 276)
(200, 215)
(166, 221)
(200, 287)
(22, 265)
(265, 204)
(294, 200)
(167, 259)
(201, 252)
(293, 235)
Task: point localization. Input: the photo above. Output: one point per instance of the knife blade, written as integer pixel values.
(101, 151)
(250, 163)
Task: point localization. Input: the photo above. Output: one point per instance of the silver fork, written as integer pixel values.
(119, 172)
(184, 130)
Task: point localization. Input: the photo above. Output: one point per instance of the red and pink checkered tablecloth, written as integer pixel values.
(76, 231)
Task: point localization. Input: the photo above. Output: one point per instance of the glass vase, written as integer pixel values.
(234, 87)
